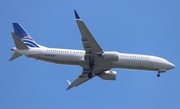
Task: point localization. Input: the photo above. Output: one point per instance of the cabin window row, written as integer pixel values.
(143, 57)
(65, 51)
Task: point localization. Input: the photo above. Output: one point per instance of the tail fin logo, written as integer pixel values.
(29, 41)
(24, 36)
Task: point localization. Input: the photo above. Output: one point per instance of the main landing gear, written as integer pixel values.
(91, 66)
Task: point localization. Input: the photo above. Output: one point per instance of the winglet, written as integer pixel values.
(69, 83)
(76, 15)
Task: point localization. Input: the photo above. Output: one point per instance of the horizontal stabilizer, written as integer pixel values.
(14, 56)
(19, 44)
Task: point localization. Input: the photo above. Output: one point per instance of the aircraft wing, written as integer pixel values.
(89, 43)
(81, 79)
(84, 77)
(93, 50)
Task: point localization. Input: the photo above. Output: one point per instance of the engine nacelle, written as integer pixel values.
(112, 56)
(108, 75)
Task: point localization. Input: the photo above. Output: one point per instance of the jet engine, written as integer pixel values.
(108, 75)
(113, 56)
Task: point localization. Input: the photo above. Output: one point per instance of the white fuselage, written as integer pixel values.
(93, 59)
(76, 57)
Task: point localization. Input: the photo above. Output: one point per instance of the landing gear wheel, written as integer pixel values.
(158, 75)
(91, 67)
(91, 63)
(90, 75)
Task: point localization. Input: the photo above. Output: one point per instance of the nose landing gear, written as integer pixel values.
(158, 75)
(160, 71)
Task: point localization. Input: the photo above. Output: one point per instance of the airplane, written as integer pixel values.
(93, 59)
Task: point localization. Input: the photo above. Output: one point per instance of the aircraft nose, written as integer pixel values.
(171, 65)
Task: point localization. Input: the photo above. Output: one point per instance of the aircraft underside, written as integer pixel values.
(93, 59)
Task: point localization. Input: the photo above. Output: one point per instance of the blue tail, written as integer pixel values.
(24, 36)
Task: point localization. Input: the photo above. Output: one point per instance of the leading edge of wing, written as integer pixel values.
(89, 43)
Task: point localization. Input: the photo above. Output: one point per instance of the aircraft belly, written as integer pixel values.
(61, 59)
(134, 64)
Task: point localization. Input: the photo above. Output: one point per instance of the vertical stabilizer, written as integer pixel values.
(24, 36)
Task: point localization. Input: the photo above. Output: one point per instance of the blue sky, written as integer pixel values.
(131, 26)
